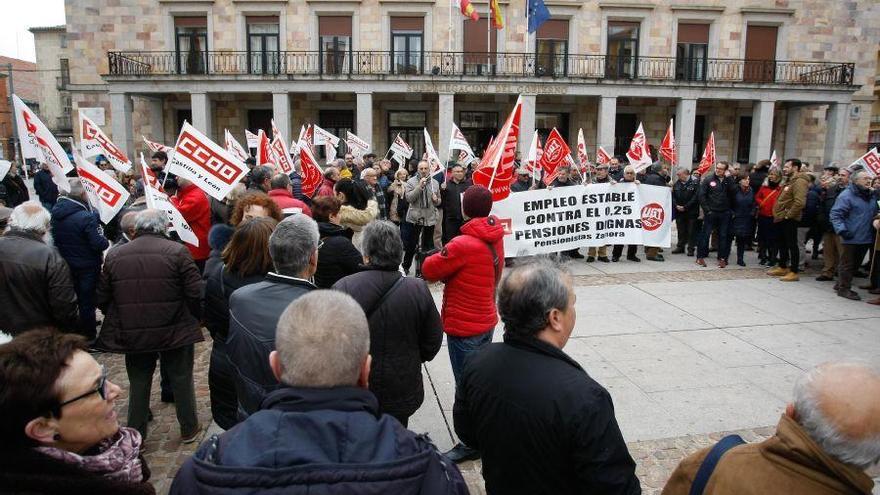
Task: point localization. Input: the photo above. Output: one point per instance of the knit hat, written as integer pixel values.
(476, 202)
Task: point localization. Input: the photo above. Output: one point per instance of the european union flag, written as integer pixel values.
(538, 14)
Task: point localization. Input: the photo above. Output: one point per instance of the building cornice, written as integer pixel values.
(697, 8)
(626, 5)
(48, 29)
(766, 10)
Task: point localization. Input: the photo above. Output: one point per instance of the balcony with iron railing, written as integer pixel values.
(459, 65)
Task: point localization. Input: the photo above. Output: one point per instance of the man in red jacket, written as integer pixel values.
(196, 210)
(282, 195)
(470, 265)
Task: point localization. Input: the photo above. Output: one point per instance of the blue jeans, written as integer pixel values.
(711, 221)
(460, 348)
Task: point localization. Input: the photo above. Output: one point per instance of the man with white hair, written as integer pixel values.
(254, 309)
(320, 431)
(80, 239)
(827, 438)
(35, 285)
(151, 294)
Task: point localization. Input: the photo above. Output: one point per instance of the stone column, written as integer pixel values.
(526, 124)
(607, 121)
(835, 134)
(364, 124)
(281, 114)
(120, 113)
(447, 118)
(792, 131)
(685, 116)
(762, 131)
(157, 119)
(201, 113)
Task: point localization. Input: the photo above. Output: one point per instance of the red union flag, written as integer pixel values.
(94, 142)
(495, 171)
(264, 150)
(583, 158)
(638, 154)
(38, 143)
(105, 194)
(602, 156)
(205, 163)
(871, 162)
(279, 150)
(309, 170)
(667, 147)
(708, 160)
(555, 152)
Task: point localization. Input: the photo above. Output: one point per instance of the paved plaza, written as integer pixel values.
(687, 353)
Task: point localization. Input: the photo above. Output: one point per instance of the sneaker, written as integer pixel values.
(591, 259)
(701, 261)
(634, 258)
(462, 453)
(824, 278)
(191, 437)
(789, 277)
(849, 294)
(604, 259)
(778, 271)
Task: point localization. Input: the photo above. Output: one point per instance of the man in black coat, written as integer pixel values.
(758, 175)
(35, 285)
(14, 190)
(686, 199)
(80, 240)
(45, 187)
(320, 431)
(717, 193)
(832, 247)
(450, 202)
(563, 179)
(542, 424)
(654, 176)
(254, 309)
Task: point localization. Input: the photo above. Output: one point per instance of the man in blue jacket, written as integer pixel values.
(45, 188)
(80, 240)
(851, 217)
(320, 431)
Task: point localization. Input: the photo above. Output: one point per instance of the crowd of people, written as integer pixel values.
(318, 336)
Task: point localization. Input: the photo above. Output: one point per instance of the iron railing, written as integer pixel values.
(497, 65)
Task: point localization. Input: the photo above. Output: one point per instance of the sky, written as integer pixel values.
(19, 15)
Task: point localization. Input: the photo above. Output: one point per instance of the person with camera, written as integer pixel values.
(423, 195)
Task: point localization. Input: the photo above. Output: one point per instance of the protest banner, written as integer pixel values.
(106, 194)
(94, 142)
(251, 138)
(202, 161)
(549, 221)
(356, 145)
(309, 170)
(602, 156)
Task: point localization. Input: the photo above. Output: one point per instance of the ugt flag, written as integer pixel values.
(638, 154)
(205, 163)
(309, 170)
(556, 152)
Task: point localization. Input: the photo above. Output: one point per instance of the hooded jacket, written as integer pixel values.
(77, 234)
(318, 441)
(196, 210)
(788, 462)
(852, 215)
(792, 199)
(337, 257)
(470, 271)
(35, 285)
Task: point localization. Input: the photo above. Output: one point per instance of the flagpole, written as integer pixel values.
(526, 50)
(449, 44)
(489, 39)
(389, 148)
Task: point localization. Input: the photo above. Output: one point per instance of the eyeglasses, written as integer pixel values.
(101, 390)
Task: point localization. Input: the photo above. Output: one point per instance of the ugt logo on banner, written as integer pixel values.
(652, 216)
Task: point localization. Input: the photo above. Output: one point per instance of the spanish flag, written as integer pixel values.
(497, 18)
(467, 9)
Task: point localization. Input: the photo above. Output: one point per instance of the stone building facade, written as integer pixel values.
(795, 76)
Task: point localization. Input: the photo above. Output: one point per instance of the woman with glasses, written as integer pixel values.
(59, 430)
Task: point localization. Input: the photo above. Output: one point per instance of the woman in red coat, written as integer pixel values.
(470, 265)
(196, 210)
(768, 231)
